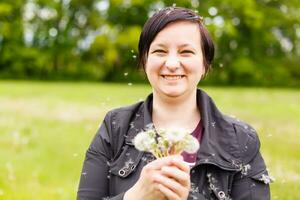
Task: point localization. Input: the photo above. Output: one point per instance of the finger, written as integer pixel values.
(177, 174)
(170, 183)
(167, 192)
(160, 162)
(178, 162)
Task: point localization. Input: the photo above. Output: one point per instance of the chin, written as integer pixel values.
(173, 93)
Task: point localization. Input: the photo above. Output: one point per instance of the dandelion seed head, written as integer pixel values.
(192, 145)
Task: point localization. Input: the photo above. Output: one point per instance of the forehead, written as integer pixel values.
(179, 32)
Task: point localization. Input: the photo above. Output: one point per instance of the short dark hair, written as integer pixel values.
(166, 16)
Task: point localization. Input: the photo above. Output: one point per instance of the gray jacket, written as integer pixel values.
(229, 164)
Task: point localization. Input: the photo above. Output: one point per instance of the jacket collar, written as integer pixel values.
(219, 145)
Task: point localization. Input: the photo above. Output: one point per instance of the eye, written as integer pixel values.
(159, 51)
(187, 52)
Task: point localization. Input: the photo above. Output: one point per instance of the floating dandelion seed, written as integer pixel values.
(129, 84)
(266, 179)
(245, 168)
(75, 154)
(132, 51)
(269, 135)
(126, 74)
(213, 124)
(134, 56)
(221, 65)
(131, 125)
(84, 174)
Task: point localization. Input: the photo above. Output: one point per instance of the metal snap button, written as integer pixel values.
(122, 172)
(221, 194)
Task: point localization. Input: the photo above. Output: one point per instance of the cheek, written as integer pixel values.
(153, 64)
(194, 65)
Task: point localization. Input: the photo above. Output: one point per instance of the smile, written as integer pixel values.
(172, 77)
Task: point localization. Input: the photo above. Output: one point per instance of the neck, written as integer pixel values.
(175, 112)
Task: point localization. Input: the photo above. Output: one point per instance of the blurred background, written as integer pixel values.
(257, 41)
(65, 63)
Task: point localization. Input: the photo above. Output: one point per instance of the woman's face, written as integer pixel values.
(175, 61)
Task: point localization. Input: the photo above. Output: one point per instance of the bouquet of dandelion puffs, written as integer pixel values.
(163, 143)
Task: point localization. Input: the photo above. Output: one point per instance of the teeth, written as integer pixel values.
(172, 77)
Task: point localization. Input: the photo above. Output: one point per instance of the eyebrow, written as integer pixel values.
(181, 46)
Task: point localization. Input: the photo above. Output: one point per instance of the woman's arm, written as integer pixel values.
(93, 181)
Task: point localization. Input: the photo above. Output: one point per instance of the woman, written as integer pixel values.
(175, 51)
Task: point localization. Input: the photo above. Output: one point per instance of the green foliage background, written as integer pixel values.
(257, 41)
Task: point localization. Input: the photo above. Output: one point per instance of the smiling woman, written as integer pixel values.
(175, 65)
(176, 52)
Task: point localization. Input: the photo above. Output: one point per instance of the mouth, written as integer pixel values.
(172, 77)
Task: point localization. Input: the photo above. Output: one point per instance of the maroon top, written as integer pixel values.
(197, 133)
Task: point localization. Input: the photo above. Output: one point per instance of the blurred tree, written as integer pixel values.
(257, 41)
(11, 35)
(61, 30)
(254, 39)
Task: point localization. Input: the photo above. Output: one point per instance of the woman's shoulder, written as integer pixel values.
(122, 116)
(247, 138)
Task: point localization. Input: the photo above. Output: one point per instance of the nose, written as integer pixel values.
(172, 62)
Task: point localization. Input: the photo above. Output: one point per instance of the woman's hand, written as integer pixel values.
(164, 178)
(174, 180)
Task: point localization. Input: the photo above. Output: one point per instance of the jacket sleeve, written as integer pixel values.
(94, 184)
(252, 181)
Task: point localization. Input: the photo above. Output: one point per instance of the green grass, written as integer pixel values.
(45, 129)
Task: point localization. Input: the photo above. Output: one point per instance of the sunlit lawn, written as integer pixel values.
(45, 129)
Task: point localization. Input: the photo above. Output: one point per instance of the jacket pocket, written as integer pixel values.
(127, 162)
